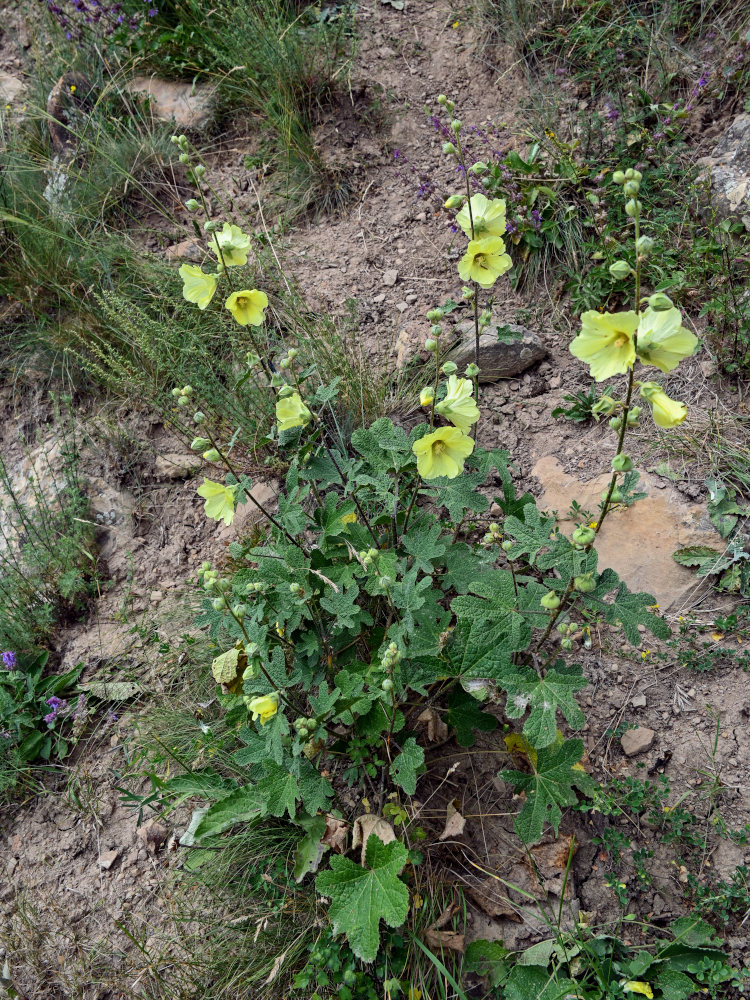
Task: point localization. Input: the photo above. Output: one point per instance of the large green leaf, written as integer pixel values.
(544, 695)
(407, 765)
(310, 850)
(240, 807)
(362, 897)
(549, 786)
(628, 610)
(495, 607)
(465, 715)
(530, 982)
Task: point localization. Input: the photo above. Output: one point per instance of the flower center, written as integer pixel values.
(621, 339)
(439, 447)
(479, 260)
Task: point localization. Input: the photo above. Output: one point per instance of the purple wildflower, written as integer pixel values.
(57, 705)
(612, 113)
(536, 218)
(10, 660)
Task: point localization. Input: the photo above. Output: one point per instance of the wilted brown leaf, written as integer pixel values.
(437, 730)
(365, 826)
(335, 834)
(454, 822)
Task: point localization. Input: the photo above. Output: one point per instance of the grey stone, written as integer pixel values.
(638, 701)
(108, 858)
(728, 168)
(497, 360)
(636, 741)
(10, 88)
(390, 277)
(176, 466)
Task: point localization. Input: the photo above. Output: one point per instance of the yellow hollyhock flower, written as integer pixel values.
(219, 500)
(605, 343)
(248, 307)
(665, 411)
(484, 261)
(489, 217)
(662, 339)
(635, 986)
(197, 286)
(442, 453)
(231, 245)
(291, 412)
(264, 707)
(458, 405)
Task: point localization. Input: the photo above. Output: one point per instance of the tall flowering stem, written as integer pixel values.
(475, 286)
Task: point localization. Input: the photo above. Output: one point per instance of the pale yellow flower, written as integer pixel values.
(484, 261)
(665, 411)
(635, 986)
(231, 245)
(662, 339)
(458, 405)
(489, 217)
(291, 412)
(264, 707)
(219, 499)
(197, 286)
(442, 453)
(605, 343)
(248, 307)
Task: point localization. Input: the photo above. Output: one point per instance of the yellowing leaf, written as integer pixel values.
(634, 986)
(228, 669)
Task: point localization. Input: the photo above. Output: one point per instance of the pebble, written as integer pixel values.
(638, 701)
(402, 306)
(108, 858)
(390, 277)
(635, 741)
(157, 596)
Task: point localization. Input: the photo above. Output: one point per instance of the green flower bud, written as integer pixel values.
(184, 158)
(456, 125)
(637, 175)
(495, 528)
(455, 201)
(449, 368)
(449, 148)
(633, 413)
(312, 724)
(385, 582)
(205, 566)
(586, 583)
(210, 226)
(442, 99)
(430, 345)
(583, 535)
(200, 444)
(199, 170)
(239, 611)
(426, 397)
(507, 545)
(182, 141)
(631, 188)
(436, 329)
(550, 601)
(644, 245)
(629, 174)
(633, 208)
(622, 463)
(563, 628)
(604, 406)
(284, 363)
(218, 603)
(212, 455)
(660, 302)
(387, 684)
(176, 393)
(285, 391)
(199, 417)
(615, 423)
(435, 315)
(174, 139)
(471, 370)
(478, 168)
(618, 177)
(303, 732)
(620, 269)
(467, 293)
(192, 205)
(292, 353)
(566, 644)
(183, 401)
(187, 390)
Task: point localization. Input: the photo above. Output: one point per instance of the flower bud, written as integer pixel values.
(660, 302)
(455, 201)
(485, 317)
(174, 139)
(633, 208)
(218, 604)
(618, 177)
(210, 226)
(495, 528)
(449, 148)
(550, 601)
(184, 158)
(192, 205)
(176, 392)
(566, 643)
(622, 463)
(284, 363)
(633, 413)
(631, 188)
(187, 390)
(435, 315)
(507, 545)
(430, 345)
(436, 329)
(471, 370)
(387, 684)
(620, 269)
(239, 611)
(478, 168)
(292, 353)
(385, 582)
(629, 174)
(637, 175)
(205, 566)
(183, 401)
(212, 455)
(442, 99)
(199, 417)
(583, 535)
(182, 141)
(604, 406)
(286, 391)
(468, 293)
(449, 368)
(199, 170)
(252, 359)
(615, 423)
(456, 125)
(426, 397)
(200, 444)
(563, 628)
(586, 583)
(644, 245)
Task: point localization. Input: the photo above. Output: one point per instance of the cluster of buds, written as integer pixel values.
(182, 396)
(572, 633)
(368, 556)
(432, 342)
(630, 180)
(291, 354)
(391, 658)
(195, 171)
(494, 536)
(305, 726)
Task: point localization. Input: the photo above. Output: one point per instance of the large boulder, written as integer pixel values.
(518, 350)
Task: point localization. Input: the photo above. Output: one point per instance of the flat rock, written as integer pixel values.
(497, 359)
(108, 858)
(390, 277)
(185, 250)
(176, 465)
(729, 169)
(186, 104)
(637, 542)
(11, 88)
(635, 741)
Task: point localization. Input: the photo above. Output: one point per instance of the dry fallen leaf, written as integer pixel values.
(335, 834)
(437, 730)
(491, 897)
(454, 822)
(551, 861)
(365, 826)
(437, 940)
